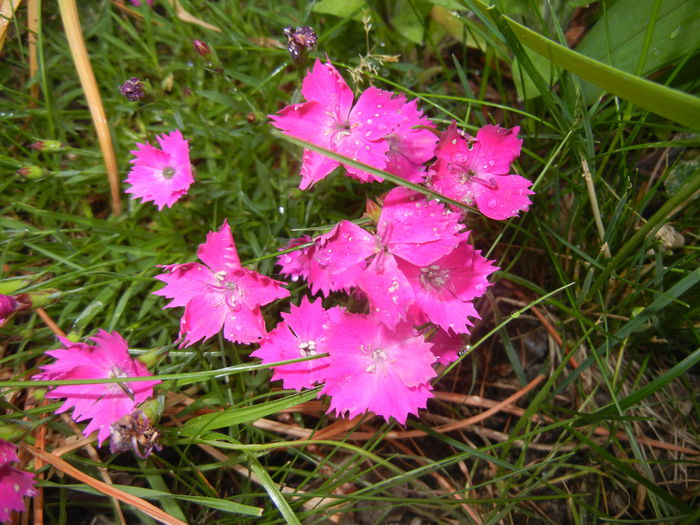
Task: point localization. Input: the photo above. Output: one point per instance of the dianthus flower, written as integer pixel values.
(219, 293)
(301, 334)
(15, 484)
(475, 171)
(103, 403)
(163, 175)
(361, 131)
(444, 289)
(376, 368)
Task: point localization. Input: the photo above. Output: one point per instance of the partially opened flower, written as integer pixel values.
(219, 293)
(329, 119)
(162, 175)
(15, 484)
(475, 171)
(105, 403)
(301, 334)
(375, 368)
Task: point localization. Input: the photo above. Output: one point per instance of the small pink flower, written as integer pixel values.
(475, 171)
(15, 484)
(104, 403)
(163, 175)
(329, 119)
(137, 3)
(375, 368)
(301, 334)
(219, 293)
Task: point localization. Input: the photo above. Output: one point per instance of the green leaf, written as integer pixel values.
(618, 37)
(341, 8)
(237, 415)
(662, 100)
(409, 19)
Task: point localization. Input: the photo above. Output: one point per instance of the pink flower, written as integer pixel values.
(103, 403)
(219, 293)
(8, 306)
(329, 119)
(15, 484)
(163, 175)
(475, 170)
(301, 334)
(376, 368)
(137, 3)
(444, 289)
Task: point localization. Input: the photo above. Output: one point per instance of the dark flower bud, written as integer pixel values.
(299, 41)
(132, 89)
(201, 48)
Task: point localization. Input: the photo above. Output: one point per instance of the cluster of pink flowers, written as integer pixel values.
(413, 277)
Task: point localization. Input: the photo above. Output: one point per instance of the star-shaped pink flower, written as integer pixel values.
(476, 171)
(104, 403)
(162, 175)
(329, 119)
(375, 368)
(219, 293)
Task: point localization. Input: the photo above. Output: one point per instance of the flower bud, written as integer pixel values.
(132, 89)
(47, 145)
(31, 172)
(201, 48)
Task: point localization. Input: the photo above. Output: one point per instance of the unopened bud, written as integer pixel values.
(47, 145)
(132, 89)
(31, 172)
(372, 210)
(201, 48)
(39, 298)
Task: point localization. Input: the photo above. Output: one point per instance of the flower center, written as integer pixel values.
(379, 359)
(231, 291)
(308, 348)
(168, 172)
(433, 277)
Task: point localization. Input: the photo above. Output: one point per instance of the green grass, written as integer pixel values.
(609, 435)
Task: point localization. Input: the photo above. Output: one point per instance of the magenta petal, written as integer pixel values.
(218, 252)
(389, 292)
(416, 228)
(496, 148)
(324, 84)
(15, 484)
(245, 325)
(204, 316)
(184, 281)
(509, 197)
(314, 168)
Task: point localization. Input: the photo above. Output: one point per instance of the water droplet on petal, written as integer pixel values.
(492, 203)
